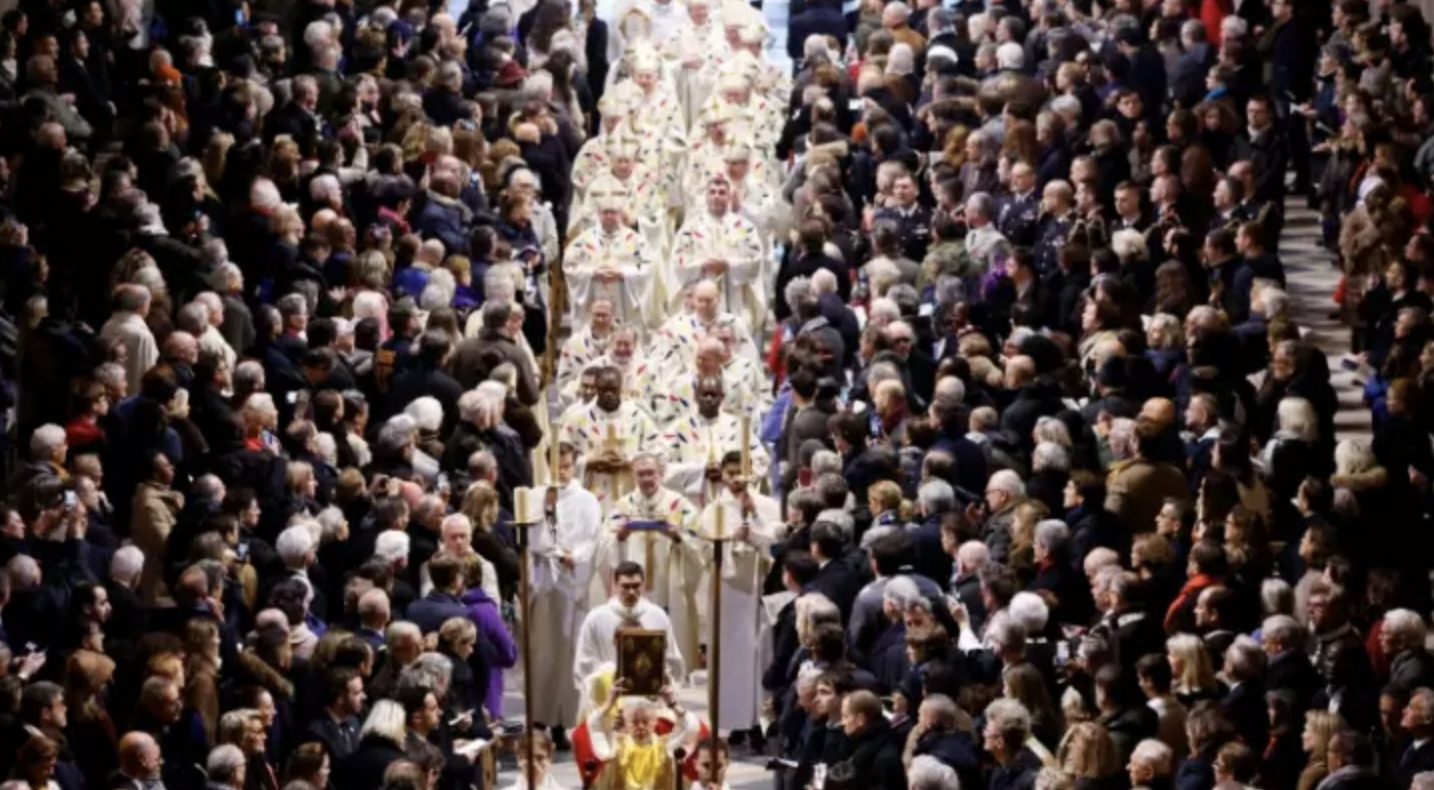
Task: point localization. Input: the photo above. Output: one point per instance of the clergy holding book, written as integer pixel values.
(627, 610)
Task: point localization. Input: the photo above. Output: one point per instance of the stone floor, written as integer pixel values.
(1312, 279)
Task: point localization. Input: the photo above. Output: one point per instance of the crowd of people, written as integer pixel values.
(936, 394)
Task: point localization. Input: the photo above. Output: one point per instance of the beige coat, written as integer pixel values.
(155, 511)
(141, 350)
(1137, 489)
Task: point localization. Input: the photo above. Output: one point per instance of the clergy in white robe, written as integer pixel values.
(744, 391)
(607, 434)
(592, 159)
(675, 342)
(718, 126)
(662, 21)
(560, 558)
(658, 113)
(625, 354)
(736, 86)
(610, 261)
(640, 193)
(718, 245)
(696, 53)
(671, 557)
(773, 81)
(586, 344)
(705, 435)
(626, 609)
(755, 198)
(748, 520)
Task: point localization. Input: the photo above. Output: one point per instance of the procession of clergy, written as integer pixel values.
(669, 271)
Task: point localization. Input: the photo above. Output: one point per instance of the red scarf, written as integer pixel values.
(1192, 587)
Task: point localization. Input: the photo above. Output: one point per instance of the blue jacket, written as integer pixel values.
(1196, 773)
(888, 660)
(445, 219)
(954, 749)
(430, 612)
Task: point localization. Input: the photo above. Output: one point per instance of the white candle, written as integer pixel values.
(520, 505)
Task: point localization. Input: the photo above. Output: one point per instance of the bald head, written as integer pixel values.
(139, 755)
(182, 348)
(1160, 412)
(711, 353)
(271, 617)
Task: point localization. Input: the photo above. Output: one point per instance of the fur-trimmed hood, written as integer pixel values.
(1361, 481)
(268, 677)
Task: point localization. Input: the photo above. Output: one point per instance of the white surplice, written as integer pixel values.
(673, 567)
(559, 597)
(732, 239)
(623, 250)
(580, 350)
(674, 345)
(694, 440)
(744, 391)
(743, 567)
(597, 638)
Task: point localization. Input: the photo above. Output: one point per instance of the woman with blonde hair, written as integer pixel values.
(91, 734)
(245, 728)
(1320, 727)
(201, 650)
(480, 505)
(1022, 554)
(1088, 754)
(381, 742)
(1286, 458)
(216, 157)
(1194, 678)
(457, 639)
(884, 499)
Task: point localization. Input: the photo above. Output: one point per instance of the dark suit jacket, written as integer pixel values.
(784, 646)
(839, 582)
(1270, 154)
(294, 121)
(823, 18)
(1187, 82)
(1147, 78)
(1414, 760)
(928, 558)
(1245, 708)
(968, 590)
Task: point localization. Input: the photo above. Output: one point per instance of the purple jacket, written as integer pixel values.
(495, 642)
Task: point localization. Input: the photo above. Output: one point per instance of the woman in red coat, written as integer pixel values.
(1212, 13)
